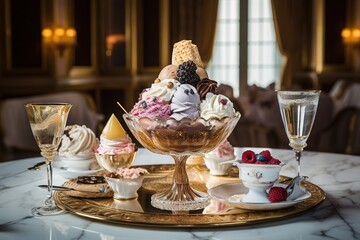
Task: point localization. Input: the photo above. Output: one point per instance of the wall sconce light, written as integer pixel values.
(351, 35)
(60, 37)
(111, 40)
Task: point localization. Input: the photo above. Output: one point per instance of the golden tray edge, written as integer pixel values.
(91, 208)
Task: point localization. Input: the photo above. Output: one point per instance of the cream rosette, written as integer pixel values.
(216, 106)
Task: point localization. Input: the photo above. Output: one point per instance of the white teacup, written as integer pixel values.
(258, 178)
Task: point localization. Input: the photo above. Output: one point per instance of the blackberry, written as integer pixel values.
(188, 66)
(186, 73)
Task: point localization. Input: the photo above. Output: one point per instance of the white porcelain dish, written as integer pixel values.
(63, 171)
(232, 193)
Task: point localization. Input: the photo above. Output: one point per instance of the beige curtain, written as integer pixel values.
(288, 18)
(195, 20)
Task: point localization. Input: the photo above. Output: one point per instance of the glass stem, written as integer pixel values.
(297, 157)
(49, 157)
(49, 178)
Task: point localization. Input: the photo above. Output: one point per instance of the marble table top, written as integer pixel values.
(338, 217)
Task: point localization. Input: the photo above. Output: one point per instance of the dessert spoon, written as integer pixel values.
(59, 188)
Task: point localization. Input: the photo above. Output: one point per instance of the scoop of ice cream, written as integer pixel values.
(218, 106)
(206, 85)
(201, 73)
(225, 151)
(151, 107)
(163, 89)
(168, 72)
(185, 102)
(78, 142)
(114, 139)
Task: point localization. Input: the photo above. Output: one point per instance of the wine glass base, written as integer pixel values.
(46, 211)
(162, 201)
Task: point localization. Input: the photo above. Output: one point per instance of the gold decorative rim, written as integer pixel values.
(102, 208)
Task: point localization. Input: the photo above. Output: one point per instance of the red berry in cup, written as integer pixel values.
(277, 194)
(248, 157)
(261, 162)
(266, 154)
(274, 161)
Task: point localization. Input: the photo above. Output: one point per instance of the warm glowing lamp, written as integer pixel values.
(59, 32)
(356, 34)
(70, 32)
(346, 33)
(59, 37)
(351, 35)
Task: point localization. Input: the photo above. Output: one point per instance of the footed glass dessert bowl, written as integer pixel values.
(111, 162)
(180, 139)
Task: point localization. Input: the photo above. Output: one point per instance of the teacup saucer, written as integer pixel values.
(232, 193)
(63, 171)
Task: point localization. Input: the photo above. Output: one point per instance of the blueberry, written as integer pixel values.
(260, 157)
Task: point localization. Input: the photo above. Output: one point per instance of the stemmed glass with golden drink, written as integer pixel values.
(47, 121)
(298, 110)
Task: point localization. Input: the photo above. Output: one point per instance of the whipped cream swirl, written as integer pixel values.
(78, 142)
(218, 106)
(164, 89)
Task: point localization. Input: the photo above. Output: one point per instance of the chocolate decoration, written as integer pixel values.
(91, 179)
(206, 85)
(157, 80)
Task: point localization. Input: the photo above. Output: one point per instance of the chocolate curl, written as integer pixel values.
(206, 85)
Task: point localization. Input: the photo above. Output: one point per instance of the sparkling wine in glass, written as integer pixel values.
(47, 121)
(298, 110)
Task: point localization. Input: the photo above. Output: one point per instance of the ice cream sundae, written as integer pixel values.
(116, 148)
(182, 115)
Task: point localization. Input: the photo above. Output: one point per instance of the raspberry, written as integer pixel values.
(267, 154)
(261, 162)
(274, 161)
(248, 157)
(277, 194)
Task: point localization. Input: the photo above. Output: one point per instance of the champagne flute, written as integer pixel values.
(47, 121)
(298, 110)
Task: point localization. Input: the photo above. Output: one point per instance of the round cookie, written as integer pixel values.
(88, 187)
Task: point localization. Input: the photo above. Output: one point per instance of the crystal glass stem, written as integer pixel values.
(50, 205)
(297, 157)
(49, 157)
(180, 191)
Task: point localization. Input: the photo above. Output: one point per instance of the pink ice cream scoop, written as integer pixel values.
(185, 102)
(152, 107)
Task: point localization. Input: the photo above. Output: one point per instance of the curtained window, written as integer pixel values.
(260, 59)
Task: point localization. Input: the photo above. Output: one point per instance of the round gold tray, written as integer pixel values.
(140, 212)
